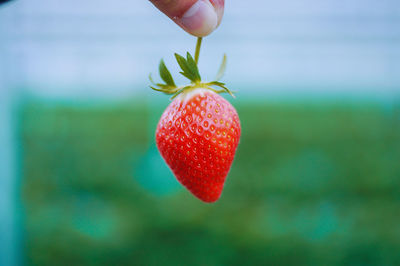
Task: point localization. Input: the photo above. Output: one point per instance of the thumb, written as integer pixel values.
(197, 17)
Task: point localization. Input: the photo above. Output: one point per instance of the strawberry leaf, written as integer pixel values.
(222, 68)
(167, 89)
(217, 83)
(165, 74)
(156, 89)
(180, 91)
(184, 66)
(189, 68)
(193, 66)
(151, 79)
(221, 85)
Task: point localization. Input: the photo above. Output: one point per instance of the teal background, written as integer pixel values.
(317, 172)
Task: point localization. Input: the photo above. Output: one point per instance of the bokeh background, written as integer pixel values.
(317, 174)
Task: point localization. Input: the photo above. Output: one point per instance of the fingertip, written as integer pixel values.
(200, 19)
(219, 6)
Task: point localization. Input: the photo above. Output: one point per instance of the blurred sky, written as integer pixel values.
(93, 48)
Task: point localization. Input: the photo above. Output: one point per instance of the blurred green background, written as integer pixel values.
(312, 184)
(316, 179)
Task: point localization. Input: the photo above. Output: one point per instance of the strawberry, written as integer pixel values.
(197, 136)
(199, 131)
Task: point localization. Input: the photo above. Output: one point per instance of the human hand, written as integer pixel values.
(197, 17)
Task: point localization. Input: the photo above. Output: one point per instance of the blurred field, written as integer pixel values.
(312, 184)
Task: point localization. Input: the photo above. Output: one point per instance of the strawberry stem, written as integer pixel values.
(197, 52)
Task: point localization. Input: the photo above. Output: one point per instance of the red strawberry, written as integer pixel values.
(197, 136)
(199, 131)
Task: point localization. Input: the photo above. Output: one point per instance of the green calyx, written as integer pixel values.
(190, 70)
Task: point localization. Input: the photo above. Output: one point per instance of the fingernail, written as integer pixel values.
(201, 19)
